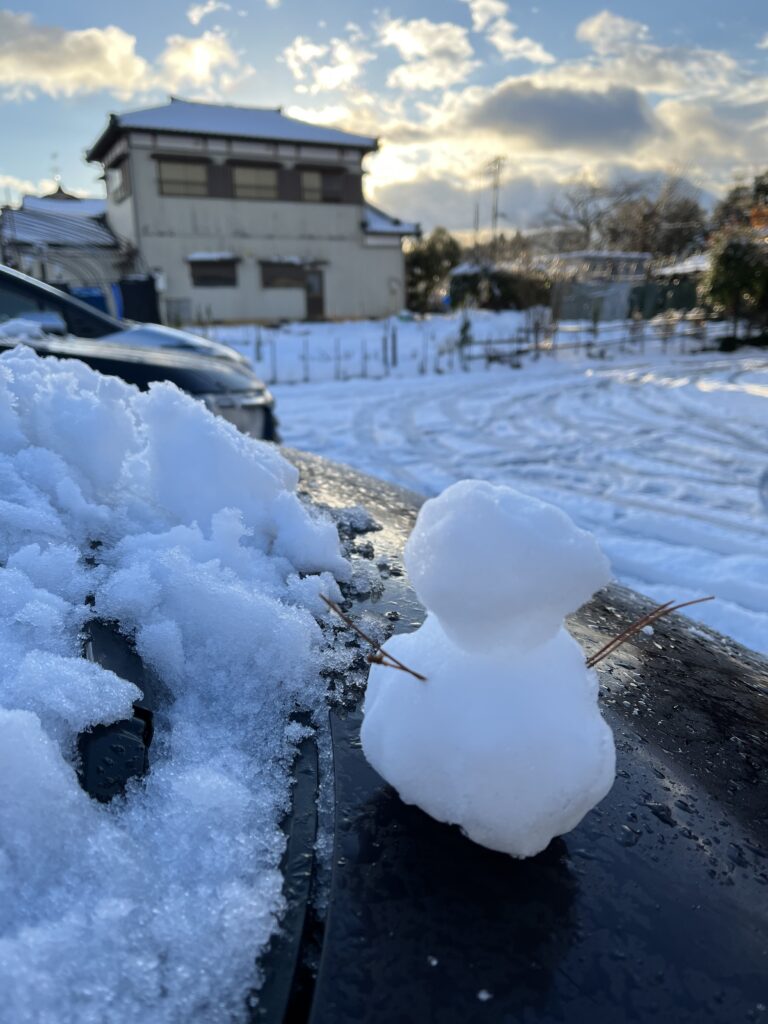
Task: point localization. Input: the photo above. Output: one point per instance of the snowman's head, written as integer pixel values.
(498, 568)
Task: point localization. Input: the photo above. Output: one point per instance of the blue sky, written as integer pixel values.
(560, 88)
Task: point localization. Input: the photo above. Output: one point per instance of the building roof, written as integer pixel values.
(73, 207)
(603, 254)
(212, 257)
(376, 222)
(189, 118)
(39, 227)
(697, 264)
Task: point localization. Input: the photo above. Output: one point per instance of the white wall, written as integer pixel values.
(360, 279)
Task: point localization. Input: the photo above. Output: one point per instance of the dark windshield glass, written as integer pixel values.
(18, 296)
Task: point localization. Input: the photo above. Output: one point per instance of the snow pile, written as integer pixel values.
(20, 328)
(505, 738)
(155, 906)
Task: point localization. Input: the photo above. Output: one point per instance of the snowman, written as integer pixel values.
(504, 736)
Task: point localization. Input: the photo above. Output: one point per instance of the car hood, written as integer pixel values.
(170, 337)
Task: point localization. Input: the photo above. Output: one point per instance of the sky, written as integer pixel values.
(560, 89)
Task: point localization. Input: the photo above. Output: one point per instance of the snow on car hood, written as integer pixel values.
(156, 905)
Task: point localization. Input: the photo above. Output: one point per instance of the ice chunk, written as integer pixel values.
(499, 568)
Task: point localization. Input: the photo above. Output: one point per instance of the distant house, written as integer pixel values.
(596, 284)
(63, 240)
(246, 214)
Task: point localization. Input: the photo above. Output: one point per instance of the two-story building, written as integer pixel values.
(247, 214)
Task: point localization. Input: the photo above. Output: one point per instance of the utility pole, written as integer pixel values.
(476, 228)
(494, 168)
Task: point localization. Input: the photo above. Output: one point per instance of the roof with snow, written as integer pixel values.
(602, 254)
(376, 222)
(73, 207)
(41, 227)
(212, 257)
(188, 118)
(697, 264)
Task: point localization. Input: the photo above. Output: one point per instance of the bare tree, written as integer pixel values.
(665, 221)
(580, 213)
(630, 215)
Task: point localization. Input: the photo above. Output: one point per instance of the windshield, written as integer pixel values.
(22, 296)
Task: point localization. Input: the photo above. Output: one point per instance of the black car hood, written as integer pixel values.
(654, 909)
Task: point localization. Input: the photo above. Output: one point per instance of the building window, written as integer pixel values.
(255, 182)
(182, 178)
(214, 273)
(119, 182)
(282, 275)
(312, 186)
(332, 187)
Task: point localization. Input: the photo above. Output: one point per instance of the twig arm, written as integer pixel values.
(380, 656)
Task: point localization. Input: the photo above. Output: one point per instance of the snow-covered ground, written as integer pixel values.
(406, 347)
(660, 453)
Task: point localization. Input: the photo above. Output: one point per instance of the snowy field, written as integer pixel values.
(658, 450)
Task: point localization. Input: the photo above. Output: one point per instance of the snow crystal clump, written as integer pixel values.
(505, 737)
(156, 906)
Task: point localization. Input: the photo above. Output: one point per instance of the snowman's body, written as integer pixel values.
(505, 738)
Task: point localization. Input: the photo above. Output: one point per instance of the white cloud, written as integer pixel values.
(49, 59)
(343, 66)
(197, 12)
(610, 33)
(58, 62)
(436, 54)
(763, 44)
(197, 62)
(18, 187)
(300, 54)
(333, 114)
(625, 54)
(485, 11)
(502, 35)
(424, 38)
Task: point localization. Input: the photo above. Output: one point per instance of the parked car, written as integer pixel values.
(653, 909)
(25, 298)
(229, 389)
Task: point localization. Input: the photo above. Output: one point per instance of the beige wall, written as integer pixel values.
(363, 277)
